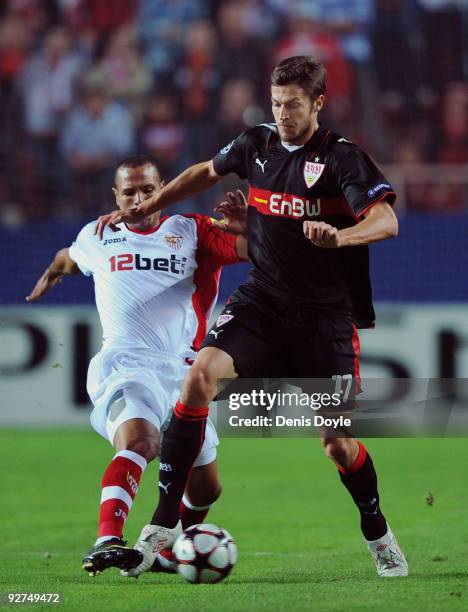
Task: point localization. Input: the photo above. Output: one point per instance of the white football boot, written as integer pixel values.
(389, 559)
(152, 540)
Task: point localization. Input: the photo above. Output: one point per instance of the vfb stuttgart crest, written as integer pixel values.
(174, 242)
(222, 319)
(312, 173)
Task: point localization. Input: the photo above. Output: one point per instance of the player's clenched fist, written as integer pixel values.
(322, 234)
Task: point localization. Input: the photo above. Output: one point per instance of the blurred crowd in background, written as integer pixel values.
(85, 83)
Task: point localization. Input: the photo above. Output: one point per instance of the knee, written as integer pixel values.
(340, 450)
(199, 386)
(207, 496)
(215, 492)
(147, 447)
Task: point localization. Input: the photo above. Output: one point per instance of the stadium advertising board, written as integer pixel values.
(45, 354)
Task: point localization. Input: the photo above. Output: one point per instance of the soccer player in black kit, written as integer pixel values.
(315, 202)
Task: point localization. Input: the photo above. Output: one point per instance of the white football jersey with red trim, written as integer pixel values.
(155, 289)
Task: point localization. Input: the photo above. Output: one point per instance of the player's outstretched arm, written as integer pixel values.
(191, 181)
(379, 223)
(62, 265)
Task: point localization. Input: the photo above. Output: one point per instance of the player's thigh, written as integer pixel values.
(133, 419)
(203, 486)
(125, 385)
(249, 337)
(201, 382)
(215, 362)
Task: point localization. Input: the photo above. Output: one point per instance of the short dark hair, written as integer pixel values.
(135, 161)
(304, 71)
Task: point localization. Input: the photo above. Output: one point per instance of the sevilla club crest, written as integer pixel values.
(312, 173)
(174, 242)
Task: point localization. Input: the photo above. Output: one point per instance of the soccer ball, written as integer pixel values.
(204, 553)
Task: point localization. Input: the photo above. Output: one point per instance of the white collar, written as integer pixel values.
(291, 148)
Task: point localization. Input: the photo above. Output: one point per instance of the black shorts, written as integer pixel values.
(285, 343)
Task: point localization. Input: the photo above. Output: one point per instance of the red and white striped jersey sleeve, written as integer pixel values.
(215, 249)
(218, 246)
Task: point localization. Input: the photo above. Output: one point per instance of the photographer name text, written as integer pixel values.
(282, 421)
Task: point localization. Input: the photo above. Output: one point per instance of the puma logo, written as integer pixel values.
(164, 486)
(368, 505)
(371, 513)
(261, 164)
(216, 333)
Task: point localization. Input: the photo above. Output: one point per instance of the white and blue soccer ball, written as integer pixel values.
(204, 553)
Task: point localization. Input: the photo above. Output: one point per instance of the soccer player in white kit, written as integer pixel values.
(155, 285)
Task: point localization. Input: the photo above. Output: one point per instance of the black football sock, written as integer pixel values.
(182, 442)
(361, 481)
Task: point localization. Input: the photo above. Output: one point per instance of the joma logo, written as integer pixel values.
(114, 240)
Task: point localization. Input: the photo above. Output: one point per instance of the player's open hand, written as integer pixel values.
(46, 282)
(132, 215)
(322, 234)
(234, 211)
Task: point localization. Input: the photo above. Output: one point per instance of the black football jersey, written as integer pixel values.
(328, 179)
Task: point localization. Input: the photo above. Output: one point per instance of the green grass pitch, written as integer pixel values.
(295, 526)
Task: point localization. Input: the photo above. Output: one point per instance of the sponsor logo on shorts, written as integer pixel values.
(165, 467)
(222, 319)
(174, 242)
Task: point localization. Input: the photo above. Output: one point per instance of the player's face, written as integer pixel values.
(135, 185)
(294, 112)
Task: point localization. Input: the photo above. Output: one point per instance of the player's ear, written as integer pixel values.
(162, 183)
(318, 103)
(114, 191)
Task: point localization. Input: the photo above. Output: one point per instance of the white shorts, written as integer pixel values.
(126, 384)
